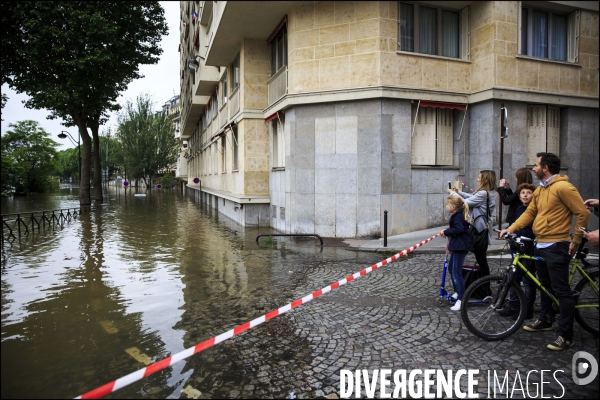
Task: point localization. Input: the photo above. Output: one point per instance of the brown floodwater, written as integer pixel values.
(133, 281)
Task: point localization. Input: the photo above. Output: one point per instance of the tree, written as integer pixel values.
(28, 157)
(68, 163)
(149, 145)
(75, 57)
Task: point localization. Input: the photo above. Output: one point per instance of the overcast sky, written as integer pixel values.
(161, 82)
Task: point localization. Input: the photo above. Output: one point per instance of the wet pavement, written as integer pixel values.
(87, 305)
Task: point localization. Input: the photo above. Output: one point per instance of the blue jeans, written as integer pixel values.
(455, 264)
(554, 276)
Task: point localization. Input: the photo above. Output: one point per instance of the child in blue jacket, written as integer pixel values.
(459, 244)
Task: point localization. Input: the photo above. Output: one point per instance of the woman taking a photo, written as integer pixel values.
(481, 209)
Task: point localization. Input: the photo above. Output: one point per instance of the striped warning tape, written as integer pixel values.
(167, 362)
(465, 185)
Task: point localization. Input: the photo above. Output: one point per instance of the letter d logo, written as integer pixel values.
(584, 368)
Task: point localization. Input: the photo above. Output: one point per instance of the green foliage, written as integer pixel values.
(74, 58)
(168, 180)
(148, 143)
(68, 164)
(52, 184)
(28, 157)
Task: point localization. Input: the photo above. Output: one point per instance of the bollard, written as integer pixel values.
(385, 228)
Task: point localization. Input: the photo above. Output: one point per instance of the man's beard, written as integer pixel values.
(540, 175)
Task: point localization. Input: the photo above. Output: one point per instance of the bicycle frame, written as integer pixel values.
(574, 268)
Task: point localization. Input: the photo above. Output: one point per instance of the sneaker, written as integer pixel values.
(561, 343)
(538, 325)
(456, 306)
(455, 296)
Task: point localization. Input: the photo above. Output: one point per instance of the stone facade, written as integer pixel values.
(346, 111)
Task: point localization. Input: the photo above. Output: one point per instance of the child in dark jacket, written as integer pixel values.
(459, 244)
(525, 191)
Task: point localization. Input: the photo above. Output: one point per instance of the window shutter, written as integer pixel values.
(445, 137)
(465, 34)
(536, 132)
(553, 134)
(423, 140)
(573, 38)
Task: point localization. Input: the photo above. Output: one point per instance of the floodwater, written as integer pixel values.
(134, 281)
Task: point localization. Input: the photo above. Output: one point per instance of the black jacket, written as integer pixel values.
(527, 232)
(460, 239)
(510, 199)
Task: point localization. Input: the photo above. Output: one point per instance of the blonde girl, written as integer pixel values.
(459, 244)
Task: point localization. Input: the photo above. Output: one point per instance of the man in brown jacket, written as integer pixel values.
(554, 203)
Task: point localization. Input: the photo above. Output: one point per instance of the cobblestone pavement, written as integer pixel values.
(385, 319)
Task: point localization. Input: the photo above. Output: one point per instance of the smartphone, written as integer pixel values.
(449, 185)
(581, 228)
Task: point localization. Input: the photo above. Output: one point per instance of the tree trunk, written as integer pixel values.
(84, 183)
(97, 167)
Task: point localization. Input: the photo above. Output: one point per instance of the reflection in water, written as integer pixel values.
(132, 282)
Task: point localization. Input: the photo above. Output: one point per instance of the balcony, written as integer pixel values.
(234, 103)
(181, 171)
(277, 85)
(192, 114)
(223, 116)
(235, 20)
(207, 77)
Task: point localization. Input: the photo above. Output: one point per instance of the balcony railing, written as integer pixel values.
(223, 116)
(234, 103)
(278, 85)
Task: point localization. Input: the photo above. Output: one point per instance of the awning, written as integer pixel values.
(272, 117)
(439, 104)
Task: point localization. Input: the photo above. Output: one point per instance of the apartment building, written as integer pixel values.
(315, 117)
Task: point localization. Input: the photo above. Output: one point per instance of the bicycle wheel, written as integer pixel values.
(480, 315)
(588, 317)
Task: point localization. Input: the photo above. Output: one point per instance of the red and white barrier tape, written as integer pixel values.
(465, 185)
(167, 362)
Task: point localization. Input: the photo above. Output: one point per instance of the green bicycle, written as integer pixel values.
(482, 318)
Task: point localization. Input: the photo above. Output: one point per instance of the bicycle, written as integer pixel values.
(482, 318)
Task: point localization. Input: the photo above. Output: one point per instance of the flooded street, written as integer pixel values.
(141, 278)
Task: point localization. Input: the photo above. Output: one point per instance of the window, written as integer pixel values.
(215, 103)
(278, 143)
(224, 88)
(547, 34)
(215, 158)
(235, 147)
(436, 31)
(235, 73)
(432, 138)
(543, 131)
(223, 154)
(278, 50)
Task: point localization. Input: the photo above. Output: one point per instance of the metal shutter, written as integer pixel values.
(536, 132)
(553, 132)
(444, 136)
(423, 140)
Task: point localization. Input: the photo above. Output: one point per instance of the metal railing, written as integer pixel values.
(277, 85)
(17, 225)
(292, 234)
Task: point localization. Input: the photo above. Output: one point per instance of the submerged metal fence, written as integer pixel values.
(17, 225)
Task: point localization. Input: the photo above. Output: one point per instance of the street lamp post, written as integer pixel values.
(63, 135)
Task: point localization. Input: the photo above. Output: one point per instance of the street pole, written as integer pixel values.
(503, 134)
